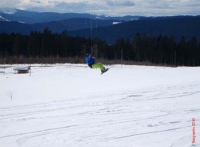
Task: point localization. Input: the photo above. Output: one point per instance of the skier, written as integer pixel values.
(90, 60)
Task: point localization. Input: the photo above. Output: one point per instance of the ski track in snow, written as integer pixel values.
(71, 105)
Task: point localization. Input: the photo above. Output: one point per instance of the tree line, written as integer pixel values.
(142, 48)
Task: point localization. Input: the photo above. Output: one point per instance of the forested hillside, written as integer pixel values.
(178, 26)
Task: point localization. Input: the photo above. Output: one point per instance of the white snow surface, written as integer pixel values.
(114, 23)
(72, 105)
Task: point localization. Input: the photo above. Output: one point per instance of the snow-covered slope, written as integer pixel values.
(74, 106)
(8, 10)
(3, 19)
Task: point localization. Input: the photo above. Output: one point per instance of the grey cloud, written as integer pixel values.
(82, 7)
(64, 7)
(35, 1)
(73, 6)
(120, 3)
(9, 4)
(110, 7)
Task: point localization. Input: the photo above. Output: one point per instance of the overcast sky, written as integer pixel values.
(109, 7)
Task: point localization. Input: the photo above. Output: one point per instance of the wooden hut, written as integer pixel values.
(22, 69)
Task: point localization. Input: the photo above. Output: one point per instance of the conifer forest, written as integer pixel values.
(142, 48)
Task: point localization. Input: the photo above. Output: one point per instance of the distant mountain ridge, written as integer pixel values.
(103, 27)
(177, 26)
(54, 26)
(40, 17)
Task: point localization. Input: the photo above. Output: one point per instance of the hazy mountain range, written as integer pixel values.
(40, 17)
(103, 27)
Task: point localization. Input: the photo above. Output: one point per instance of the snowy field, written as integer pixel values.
(68, 105)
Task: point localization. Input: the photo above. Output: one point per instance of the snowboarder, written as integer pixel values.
(90, 60)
